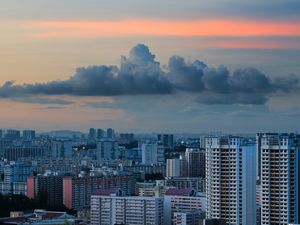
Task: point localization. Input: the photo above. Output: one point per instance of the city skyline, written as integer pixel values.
(226, 66)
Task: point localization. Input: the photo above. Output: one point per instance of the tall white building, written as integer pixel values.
(173, 168)
(231, 180)
(109, 207)
(279, 164)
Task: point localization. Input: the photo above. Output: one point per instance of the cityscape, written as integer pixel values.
(149, 112)
(106, 177)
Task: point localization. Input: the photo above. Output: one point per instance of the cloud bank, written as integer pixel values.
(141, 74)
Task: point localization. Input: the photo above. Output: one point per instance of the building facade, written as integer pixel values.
(153, 153)
(110, 207)
(77, 191)
(181, 201)
(173, 168)
(48, 189)
(279, 190)
(231, 180)
(193, 163)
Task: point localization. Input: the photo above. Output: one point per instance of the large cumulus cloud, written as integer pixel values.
(141, 74)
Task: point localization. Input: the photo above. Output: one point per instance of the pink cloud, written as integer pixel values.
(256, 44)
(132, 27)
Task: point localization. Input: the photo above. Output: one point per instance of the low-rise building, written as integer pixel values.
(110, 207)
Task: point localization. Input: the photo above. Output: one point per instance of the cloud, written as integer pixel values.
(42, 101)
(141, 74)
(186, 76)
(218, 86)
(53, 108)
(230, 27)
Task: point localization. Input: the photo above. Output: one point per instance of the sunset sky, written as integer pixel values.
(143, 66)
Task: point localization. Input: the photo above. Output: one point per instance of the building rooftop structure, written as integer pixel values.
(181, 192)
(40, 216)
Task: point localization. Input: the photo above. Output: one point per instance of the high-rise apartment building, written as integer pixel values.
(12, 134)
(100, 133)
(47, 188)
(12, 153)
(107, 149)
(167, 140)
(173, 168)
(152, 153)
(77, 191)
(126, 138)
(279, 190)
(193, 163)
(17, 171)
(202, 142)
(28, 135)
(110, 133)
(231, 180)
(110, 207)
(15, 176)
(92, 135)
(62, 148)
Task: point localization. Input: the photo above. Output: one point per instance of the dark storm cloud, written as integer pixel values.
(186, 76)
(138, 74)
(141, 74)
(218, 86)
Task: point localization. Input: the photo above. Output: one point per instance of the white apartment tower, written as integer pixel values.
(231, 180)
(279, 165)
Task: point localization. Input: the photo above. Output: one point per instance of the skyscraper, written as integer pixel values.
(167, 140)
(47, 188)
(231, 180)
(107, 149)
(62, 148)
(193, 163)
(28, 135)
(92, 135)
(12, 134)
(15, 175)
(100, 133)
(173, 168)
(77, 191)
(152, 152)
(279, 164)
(110, 133)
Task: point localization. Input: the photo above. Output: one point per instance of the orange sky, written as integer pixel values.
(88, 29)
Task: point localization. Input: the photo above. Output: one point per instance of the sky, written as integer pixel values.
(150, 66)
